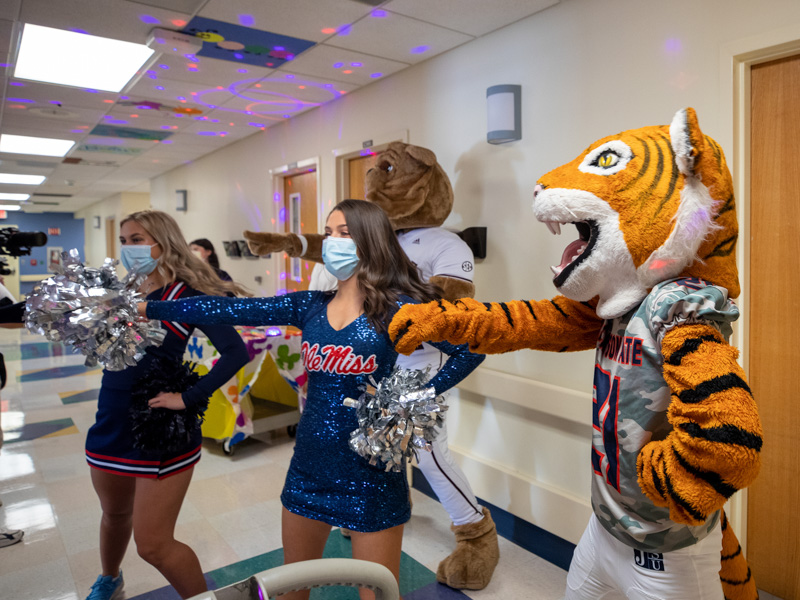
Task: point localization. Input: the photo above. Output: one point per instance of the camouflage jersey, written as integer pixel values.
(630, 406)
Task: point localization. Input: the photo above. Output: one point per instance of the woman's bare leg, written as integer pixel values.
(303, 539)
(383, 547)
(155, 511)
(116, 493)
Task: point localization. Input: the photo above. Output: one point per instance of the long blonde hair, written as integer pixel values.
(177, 262)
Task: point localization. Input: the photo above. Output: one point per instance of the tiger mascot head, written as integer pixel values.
(649, 204)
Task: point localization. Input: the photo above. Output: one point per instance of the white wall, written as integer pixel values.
(588, 69)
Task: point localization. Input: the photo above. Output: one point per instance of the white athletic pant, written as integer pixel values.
(603, 568)
(449, 482)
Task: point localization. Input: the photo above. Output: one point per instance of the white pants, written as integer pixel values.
(448, 482)
(605, 568)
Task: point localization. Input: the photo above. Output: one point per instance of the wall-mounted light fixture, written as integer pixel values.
(96, 221)
(504, 123)
(180, 200)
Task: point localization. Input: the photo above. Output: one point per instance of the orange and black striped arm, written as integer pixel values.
(714, 447)
(557, 325)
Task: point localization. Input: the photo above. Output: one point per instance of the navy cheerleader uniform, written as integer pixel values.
(327, 481)
(109, 443)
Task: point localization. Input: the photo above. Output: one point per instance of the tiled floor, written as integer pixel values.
(231, 514)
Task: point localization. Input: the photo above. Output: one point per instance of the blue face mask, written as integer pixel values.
(138, 258)
(339, 256)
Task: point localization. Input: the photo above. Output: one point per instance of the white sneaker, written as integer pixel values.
(9, 538)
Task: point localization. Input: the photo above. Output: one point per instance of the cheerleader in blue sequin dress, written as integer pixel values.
(345, 343)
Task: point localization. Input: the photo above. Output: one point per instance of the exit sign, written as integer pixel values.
(54, 231)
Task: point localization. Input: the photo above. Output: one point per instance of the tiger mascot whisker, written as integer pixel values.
(648, 283)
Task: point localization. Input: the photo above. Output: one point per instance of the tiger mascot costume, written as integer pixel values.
(648, 284)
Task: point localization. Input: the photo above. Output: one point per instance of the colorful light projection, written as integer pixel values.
(238, 43)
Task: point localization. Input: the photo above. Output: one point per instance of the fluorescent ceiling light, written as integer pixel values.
(10, 207)
(19, 197)
(23, 144)
(21, 179)
(77, 59)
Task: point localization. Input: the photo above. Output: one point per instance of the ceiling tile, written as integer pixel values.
(116, 19)
(67, 97)
(299, 18)
(9, 9)
(473, 17)
(329, 62)
(398, 38)
(203, 71)
(185, 6)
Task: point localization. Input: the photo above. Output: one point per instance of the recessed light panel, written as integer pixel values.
(77, 59)
(10, 207)
(23, 144)
(21, 179)
(15, 197)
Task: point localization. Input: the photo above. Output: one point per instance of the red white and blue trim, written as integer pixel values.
(173, 292)
(151, 469)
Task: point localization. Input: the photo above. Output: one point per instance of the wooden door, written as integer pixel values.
(111, 238)
(299, 215)
(358, 168)
(773, 518)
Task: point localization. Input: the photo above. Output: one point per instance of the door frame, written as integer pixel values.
(371, 146)
(277, 175)
(736, 60)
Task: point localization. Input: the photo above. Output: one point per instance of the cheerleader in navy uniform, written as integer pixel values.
(142, 492)
(345, 343)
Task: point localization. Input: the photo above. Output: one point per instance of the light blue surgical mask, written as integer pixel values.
(138, 258)
(340, 257)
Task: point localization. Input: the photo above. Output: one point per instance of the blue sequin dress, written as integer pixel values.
(327, 481)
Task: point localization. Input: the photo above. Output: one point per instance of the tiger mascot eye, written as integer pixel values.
(648, 283)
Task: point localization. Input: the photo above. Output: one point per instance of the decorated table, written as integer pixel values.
(266, 394)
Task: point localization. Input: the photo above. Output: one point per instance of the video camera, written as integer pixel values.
(14, 242)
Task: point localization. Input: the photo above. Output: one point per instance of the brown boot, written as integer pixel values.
(472, 563)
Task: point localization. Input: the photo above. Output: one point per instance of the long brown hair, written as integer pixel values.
(384, 271)
(177, 262)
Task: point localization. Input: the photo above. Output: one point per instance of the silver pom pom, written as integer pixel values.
(396, 418)
(94, 312)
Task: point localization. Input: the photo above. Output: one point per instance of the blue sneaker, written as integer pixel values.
(106, 588)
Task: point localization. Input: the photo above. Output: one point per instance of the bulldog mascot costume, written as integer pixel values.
(413, 189)
(648, 283)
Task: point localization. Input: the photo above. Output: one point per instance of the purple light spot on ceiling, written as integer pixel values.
(287, 116)
(150, 72)
(673, 45)
(198, 118)
(17, 84)
(338, 65)
(56, 102)
(181, 97)
(166, 67)
(193, 69)
(92, 91)
(290, 57)
(248, 112)
(376, 75)
(289, 76)
(123, 97)
(420, 49)
(223, 133)
(206, 133)
(117, 121)
(5, 65)
(345, 29)
(329, 86)
(178, 115)
(144, 107)
(239, 55)
(242, 70)
(256, 124)
(378, 14)
(152, 77)
(80, 31)
(77, 131)
(149, 19)
(166, 141)
(166, 127)
(159, 87)
(277, 197)
(356, 64)
(23, 100)
(247, 20)
(366, 152)
(278, 48)
(215, 120)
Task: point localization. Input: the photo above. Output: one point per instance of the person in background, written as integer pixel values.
(345, 344)
(141, 493)
(203, 249)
